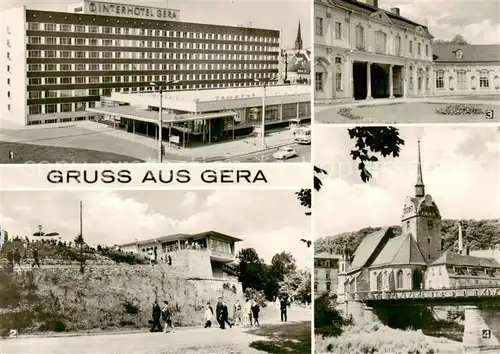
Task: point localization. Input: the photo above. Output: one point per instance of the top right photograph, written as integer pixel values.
(393, 62)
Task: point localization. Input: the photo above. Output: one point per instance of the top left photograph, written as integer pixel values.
(155, 81)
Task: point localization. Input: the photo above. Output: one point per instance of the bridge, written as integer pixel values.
(481, 305)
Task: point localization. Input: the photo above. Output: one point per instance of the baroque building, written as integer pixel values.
(469, 69)
(364, 52)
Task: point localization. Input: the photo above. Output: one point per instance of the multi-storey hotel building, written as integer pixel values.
(57, 64)
(364, 52)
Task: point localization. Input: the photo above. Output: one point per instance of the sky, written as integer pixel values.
(460, 167)
(277, 14)
(269, 221)
(477, 20)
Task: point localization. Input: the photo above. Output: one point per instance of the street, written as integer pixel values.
(183, 340)
(304, 155)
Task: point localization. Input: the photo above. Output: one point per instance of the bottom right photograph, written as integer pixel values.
(407, 240)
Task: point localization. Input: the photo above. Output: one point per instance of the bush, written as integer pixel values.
(459, 109)
(328, 321)
(130, 308)
(347, 113)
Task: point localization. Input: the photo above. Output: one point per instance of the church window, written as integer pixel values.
(429, 224)
(429, 256)
(483, 79)
(328, 286)
(442, 245)
(440, 79)
(428, 240)
(399, 279)
(338, 30)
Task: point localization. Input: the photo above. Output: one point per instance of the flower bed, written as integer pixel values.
(347, 113)
(459, 109)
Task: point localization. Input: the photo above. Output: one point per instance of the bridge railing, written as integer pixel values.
(462, 292)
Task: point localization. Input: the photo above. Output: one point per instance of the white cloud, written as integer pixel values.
(269, 221)
(460, 171)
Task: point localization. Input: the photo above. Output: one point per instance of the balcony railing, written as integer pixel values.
(221, 254)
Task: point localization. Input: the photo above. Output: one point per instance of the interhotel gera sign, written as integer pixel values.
(133, 11)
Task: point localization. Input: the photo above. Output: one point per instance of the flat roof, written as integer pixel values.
(138, 113)
(233, 93)
(181, 237)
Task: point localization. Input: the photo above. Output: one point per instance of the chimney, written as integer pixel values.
(460, 240)
(395, 11)
(373, 3)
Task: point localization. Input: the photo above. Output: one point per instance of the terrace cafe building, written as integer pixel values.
(205, 116)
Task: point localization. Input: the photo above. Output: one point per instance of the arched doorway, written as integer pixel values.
(417, 278)
(322, 80)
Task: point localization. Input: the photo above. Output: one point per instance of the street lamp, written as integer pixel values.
(160, 119)
(263, 123)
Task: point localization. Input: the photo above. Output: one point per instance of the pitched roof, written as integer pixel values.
(367, 10)
(400, 250)
(327, 255)
(450, 258)
(446, 53)
(367, 247)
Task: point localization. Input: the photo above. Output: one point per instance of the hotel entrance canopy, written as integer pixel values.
(147, 116)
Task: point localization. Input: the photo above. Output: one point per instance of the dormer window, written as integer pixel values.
(459, 54)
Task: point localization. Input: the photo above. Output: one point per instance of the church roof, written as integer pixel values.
(454, 259)
(400, 250)
(367, 247)
(446, 53)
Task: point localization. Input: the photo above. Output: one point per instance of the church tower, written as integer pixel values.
(421, 219)
(298, 40)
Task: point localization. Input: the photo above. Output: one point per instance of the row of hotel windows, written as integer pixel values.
(68, 80)
(380, 40)
(145, 44)
(68, 54)
(484, 80)
(53, 27)
(62, 107)
(146, 67)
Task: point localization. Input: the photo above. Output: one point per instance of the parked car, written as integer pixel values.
(284, 153)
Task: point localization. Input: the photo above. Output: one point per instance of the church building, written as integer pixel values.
(414, 260)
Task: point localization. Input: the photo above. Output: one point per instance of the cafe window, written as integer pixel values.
(220, 246)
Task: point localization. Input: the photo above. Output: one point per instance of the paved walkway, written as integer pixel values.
(184, 340)
(95, 136)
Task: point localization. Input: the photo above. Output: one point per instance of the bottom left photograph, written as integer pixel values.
(224, 271)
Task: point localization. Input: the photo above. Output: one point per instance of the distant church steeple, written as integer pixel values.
(298, 40)
(419, 187)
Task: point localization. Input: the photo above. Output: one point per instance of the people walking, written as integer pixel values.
(36, 260)
(248, 312)
(166, 315)
(255, 313)
(225, 316)
(218, 313)
(17, 257)
(209, 313)
(237, 312)
(156, 324)
(283, 308)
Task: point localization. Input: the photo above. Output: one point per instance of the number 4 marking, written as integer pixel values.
(489, 114)
(486, 333)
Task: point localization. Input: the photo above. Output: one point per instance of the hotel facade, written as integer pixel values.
(364, 52)
(56, 65)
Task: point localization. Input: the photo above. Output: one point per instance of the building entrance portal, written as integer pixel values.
(359, 72)
(417, 279)
(379, 81)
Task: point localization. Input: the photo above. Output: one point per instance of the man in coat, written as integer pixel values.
(224, 316)
(283, 308)
(218, 313)
(156, 318)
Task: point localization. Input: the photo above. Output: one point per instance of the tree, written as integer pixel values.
(252, 272)
(283, 263)
(79, 241)
(368, 142)
(458, 39)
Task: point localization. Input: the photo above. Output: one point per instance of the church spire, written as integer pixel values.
(298, 40)
(419, 187)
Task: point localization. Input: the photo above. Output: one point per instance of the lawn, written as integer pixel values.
(293, 338)
(395, 113)
(29, 153)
